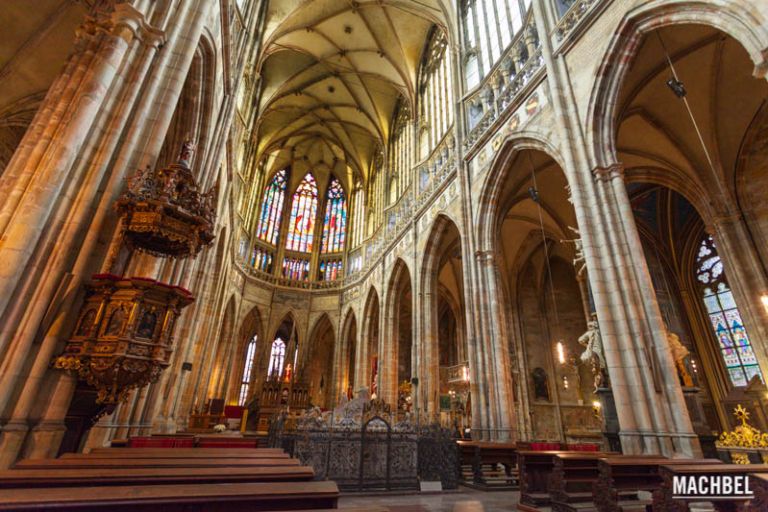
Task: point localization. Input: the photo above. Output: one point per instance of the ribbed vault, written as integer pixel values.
(333, 72)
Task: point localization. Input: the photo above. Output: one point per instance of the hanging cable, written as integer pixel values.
(534, 193)
(678, 89)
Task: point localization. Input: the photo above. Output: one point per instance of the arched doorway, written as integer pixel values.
(348, 354)
(317, 370)
(687, 120)
(445, 361)
(397, 370)
(543, 295)
(368, 359)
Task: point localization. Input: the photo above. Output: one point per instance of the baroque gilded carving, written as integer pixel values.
(123, 338)
(164, 213)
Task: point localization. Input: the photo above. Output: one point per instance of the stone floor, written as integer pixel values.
(463, 500)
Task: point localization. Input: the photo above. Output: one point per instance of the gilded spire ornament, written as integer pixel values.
(164, 213)
(744, 435)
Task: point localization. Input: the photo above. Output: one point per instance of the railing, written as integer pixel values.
(292, 283)
(504, 85)
(573, 17)
(436, 169)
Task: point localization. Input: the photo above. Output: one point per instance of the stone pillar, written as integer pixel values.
(50, 191)
(647, 394)
(491, 375)
(645, 386)
(429, 371)
(388, 348)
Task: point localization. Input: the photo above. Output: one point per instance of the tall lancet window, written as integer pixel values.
(272, 209)
(276, 358)
(335, 224)
(724, 316)
(245, 382)
(303, 213)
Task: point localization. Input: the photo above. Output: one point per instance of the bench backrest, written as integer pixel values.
(151, 463)
(82, 477)
(234, 497)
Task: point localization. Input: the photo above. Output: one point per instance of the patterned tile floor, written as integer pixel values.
(463, 500)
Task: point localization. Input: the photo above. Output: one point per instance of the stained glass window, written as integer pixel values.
(272, 209)
(296, 269)
(245, 382)
(740, 361)
(261, 259)
(330, 270)
(489, 28)
(276, 359)
(436, 104)
(335, 223)
(303, 213)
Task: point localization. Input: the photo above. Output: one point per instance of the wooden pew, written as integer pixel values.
(186, 450)
(662, 498)
(93, 477)
(536, 468)
(483, 457)
(73, 463)
(759, 484)
(226, 442)
(232, 497)
(179, 453)
(622, 478)
(573, 479)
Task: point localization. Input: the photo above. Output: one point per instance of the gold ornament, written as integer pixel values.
(744, 435)
(123, 338)
(163, 212)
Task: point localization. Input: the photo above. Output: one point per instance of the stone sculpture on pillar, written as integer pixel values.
(593, 351)
(579, 260)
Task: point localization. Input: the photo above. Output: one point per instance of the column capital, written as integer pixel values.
(120, 19)
(609, 172)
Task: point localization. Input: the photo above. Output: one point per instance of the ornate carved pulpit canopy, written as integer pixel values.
(123, 338)
(163, 212)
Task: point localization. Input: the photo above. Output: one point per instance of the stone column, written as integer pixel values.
(429, 371)
(388, 349)
(492, 375)
(650, 388)
(649, 400)
(60, 161)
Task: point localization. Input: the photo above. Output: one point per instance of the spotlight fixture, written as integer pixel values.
(534, 194)
(677, 87)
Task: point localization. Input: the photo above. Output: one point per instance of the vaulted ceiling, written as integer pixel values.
(658, 142)
(333, 72)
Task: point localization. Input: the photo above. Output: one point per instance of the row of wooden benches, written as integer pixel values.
(187, 441)
(168, 479)
(609, 482)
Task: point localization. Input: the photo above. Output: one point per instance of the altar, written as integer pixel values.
(279, 395)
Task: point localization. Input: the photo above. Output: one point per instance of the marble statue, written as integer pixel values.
(593, 351)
